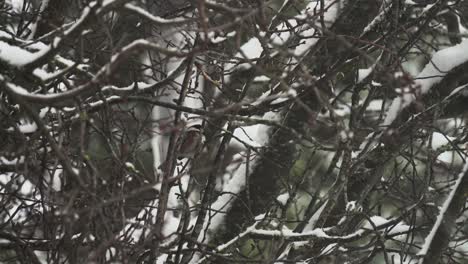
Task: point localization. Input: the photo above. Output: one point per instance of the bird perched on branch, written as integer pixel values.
(190, 142)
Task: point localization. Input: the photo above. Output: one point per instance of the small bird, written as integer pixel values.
(190, 142)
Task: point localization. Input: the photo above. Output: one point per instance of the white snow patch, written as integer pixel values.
(375, 105)
(214, 39)
(376, 220)
(439, 140)
(329, 16)
(283, 33)
(14, 161)
(441, 63)
(255, 135)
(250, 50)
(283, 198)
(262, 78)
(25, 127)
(363, 73)
(17, 56)
(313, 220)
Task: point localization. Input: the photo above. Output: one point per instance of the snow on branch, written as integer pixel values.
(19, 57)
(235, 176)
(316, 234)
(100, 77)
(33, 60)
(384, 10)
(440, 218)
(156, 19)
(442, 62)
(247, 231)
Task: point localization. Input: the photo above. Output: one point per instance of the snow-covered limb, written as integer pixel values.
(250, 51)
(156, 19)
(283, 198)
(332, 9)
(56, 44)
(226, 245)
(279, 56)
(224, 202)
(392, 226)
(143, 44)
(235, 177)
(33, 27)
(365, 73)
(19, 57)
(315, 234)
(440, 218)
(384, 10)
(315, 217)
(49, 76)
(102, 74)
(442, 62)
(321, 234)
(34, 60)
